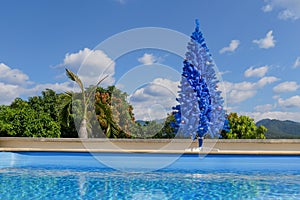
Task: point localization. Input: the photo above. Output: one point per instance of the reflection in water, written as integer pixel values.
(82, 183)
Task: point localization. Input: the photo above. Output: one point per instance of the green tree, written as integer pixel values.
(47, 103)
(147, 129)
(260, 131)
(243, 127)
(54, 105)
(167, 131)
(20, 120)
(6, 128)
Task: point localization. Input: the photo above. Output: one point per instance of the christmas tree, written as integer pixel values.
(200, 110)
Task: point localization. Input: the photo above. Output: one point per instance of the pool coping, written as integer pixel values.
(168, 146)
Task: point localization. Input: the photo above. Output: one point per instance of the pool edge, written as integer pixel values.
(160, 146)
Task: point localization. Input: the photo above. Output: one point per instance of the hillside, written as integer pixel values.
(280, 129)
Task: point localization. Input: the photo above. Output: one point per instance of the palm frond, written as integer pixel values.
(65, 105)
(75, 78)
(100, 81)
(94, 88)
(64, 115)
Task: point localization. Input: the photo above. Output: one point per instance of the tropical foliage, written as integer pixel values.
(113, 112)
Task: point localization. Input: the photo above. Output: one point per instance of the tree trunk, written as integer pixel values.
(200, 141)
(83, 130)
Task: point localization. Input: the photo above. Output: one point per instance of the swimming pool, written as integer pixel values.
(46, 175)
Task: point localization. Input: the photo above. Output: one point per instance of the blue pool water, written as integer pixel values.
(42, 175)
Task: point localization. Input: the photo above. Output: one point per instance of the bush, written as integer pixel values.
(243, 127)
(20, 120)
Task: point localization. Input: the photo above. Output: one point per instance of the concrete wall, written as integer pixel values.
(212, 146)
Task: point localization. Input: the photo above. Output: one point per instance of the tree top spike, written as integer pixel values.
(197, 23)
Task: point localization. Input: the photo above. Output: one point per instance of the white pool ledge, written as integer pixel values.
(210, 146)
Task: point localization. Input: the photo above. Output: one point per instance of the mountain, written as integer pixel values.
(280, 129)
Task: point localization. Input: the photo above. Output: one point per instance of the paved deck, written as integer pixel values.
(210, 146)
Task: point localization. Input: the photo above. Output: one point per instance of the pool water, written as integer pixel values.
(81, 176)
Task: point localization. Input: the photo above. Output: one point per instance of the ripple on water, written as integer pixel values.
(26, 183)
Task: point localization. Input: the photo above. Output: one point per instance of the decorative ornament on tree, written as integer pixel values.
(200, 103)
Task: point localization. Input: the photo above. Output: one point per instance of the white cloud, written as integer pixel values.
(12, 76)
(294, 116)
(14, 83)
(264, 108)
(288, 9)
(154, 100)
(224, 72)
(147, 59)
(58, 87)
(239, 92)
(258, 72)
(8, 93)
(244, 86)
(291, 102)
(288, 86)
(91, 66)
(267, 8)
(232, 46)
(250, 85)
(297, 62)
(163, 92)
(266, 42)
(266, 80)
(237, 96)
(161, 87)
(287, 14)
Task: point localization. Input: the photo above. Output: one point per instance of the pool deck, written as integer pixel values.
(210, 146)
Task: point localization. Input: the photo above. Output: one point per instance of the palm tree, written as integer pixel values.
(66, 114)
(85, 100)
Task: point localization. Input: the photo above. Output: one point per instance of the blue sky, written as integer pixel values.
(254, 43)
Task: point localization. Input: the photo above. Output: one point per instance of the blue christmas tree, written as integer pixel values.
(200, 110)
